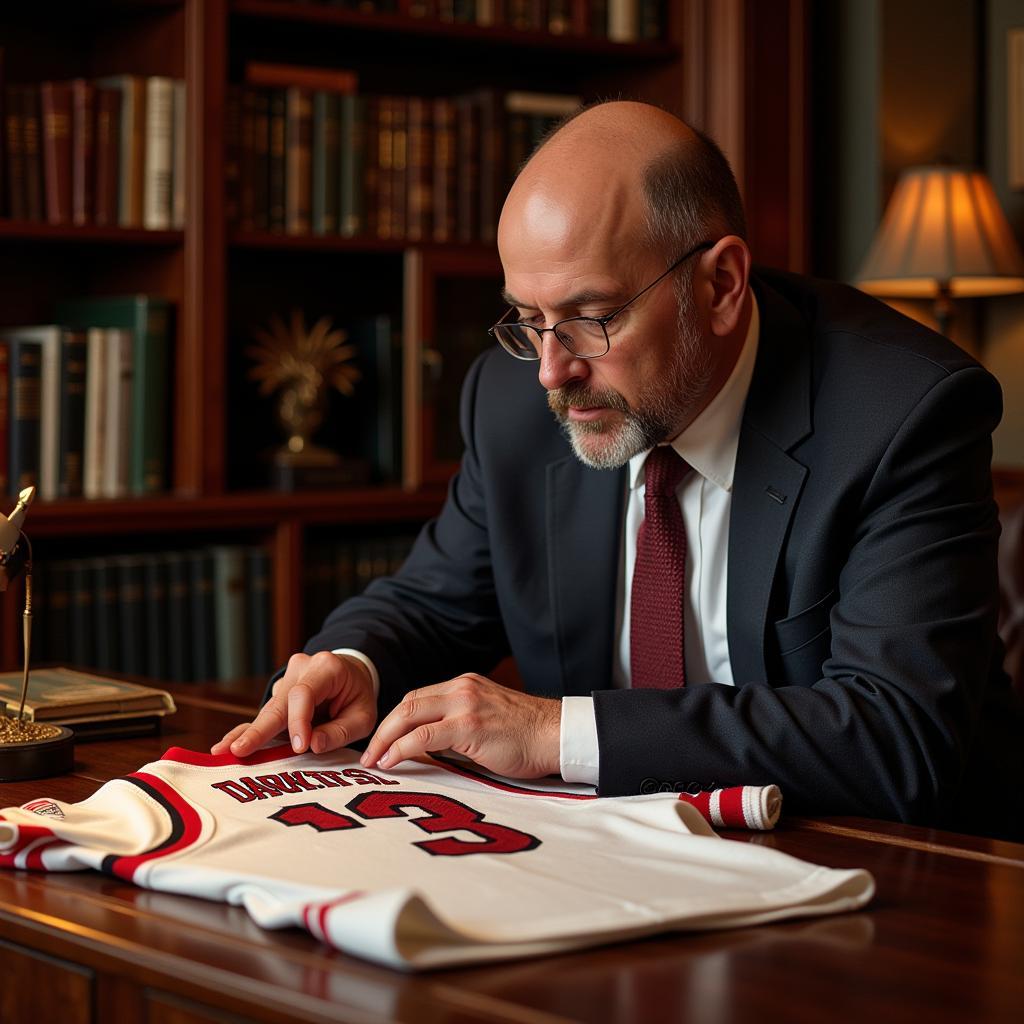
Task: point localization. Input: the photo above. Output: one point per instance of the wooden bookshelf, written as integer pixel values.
(708, 68)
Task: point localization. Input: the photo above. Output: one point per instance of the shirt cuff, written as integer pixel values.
(578, 757)
(359, 656)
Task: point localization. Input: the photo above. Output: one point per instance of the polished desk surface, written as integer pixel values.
(944, 937)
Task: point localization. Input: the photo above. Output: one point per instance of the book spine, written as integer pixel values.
(57, 120)
(326, 175)
(651, 19)
(419, 218)
(5, 384)
(25, 367)
(285, 76)
(623, 20)
(259, 611)
(32, 147)
(444, 171)
(95, 412)
(179, 633)
(83, 156)
(157, 187)
(399, 166)
(82, 598)
(260, 159)
(559, 17)
(385, 167)
(229, 611)
(599, 18)
(137, 184)
(579, 17)
(72, 413)
(154, 588)
(118, 431)
(105, 610)
(131, 615)
(108, 150)
(276, 158)
(492, 163)
(58, 612)
(468, 169)
(298, 161)
(179, 151)
(150, 401)
(49, 414)
(352, 165)
(201, 603)
(14, 135)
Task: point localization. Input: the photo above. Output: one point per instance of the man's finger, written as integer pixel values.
(268, 723)
(353, 724)
(407, 716)
(436, 735)
(225, 741)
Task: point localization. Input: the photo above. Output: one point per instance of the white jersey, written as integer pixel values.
(427, 865)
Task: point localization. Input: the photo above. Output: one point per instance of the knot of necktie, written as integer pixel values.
(665, 469)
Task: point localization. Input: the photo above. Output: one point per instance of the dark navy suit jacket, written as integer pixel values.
(862, 590)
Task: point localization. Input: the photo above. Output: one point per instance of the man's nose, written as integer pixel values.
(558, 365)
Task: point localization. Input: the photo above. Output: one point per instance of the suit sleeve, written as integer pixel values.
(438, 616)
(886, 730)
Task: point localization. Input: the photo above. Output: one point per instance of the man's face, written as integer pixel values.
(645, 389)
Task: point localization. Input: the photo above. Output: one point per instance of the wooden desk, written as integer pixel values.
(943, 940)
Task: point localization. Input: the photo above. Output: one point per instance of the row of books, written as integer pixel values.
(84, 401)
(191, 615)
(106, 151)
(619, 20)
(337, 570)
(304, 161)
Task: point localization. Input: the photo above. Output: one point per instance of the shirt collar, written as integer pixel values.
(709, 443)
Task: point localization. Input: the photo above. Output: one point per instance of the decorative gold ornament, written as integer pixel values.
(301, 365)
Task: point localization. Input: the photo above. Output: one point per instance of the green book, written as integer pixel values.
(149, 318)
(352, 166)
(230, 607)
(326, 177)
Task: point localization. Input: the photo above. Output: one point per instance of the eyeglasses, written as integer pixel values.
(584, 336)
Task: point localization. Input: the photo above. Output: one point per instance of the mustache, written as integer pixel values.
(580, 396)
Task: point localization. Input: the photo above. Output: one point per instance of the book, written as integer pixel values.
(106, 612)
(204, 635)
(444, 197)
(378, 399)
(179, 624)
(117, 387)
(94, 443)
(71, 416)
(14, 137)
(131, 614)
(82, 597)
(298, 160)
(150, 320)
(352, 165)
(56, 580)
(24, 369)
(258, 613)
(83, 150)
(229, 599)
(157, 190)
(108, 156)
(48, 338)
(154, 589)
(31, 126)
(55, 100)
(420, 170)
(65, 696)
(399, 166)
(326, 162)
(132, 136)
(467, 169)
(238, 146)
(623, 21)
(276, 161)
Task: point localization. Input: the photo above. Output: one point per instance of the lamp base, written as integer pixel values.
(29, 750)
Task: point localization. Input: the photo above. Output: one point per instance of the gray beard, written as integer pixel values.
(603, 444)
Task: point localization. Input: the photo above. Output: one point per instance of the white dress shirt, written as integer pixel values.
(705, 497)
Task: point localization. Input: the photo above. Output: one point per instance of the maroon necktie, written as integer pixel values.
(659, 579)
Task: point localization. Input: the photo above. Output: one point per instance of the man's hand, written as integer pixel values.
(329, 685)
(505, 731)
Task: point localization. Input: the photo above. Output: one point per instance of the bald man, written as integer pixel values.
(810, 597)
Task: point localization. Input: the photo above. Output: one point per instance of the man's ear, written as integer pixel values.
(725, 273)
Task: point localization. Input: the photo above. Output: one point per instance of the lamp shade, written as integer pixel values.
(943, 232)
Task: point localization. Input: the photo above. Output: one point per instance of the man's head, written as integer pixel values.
(601, 209)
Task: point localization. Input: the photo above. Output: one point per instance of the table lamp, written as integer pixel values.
(28, 750)
(943, 237)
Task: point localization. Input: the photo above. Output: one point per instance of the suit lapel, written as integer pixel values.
(584, 528)
(767, 480)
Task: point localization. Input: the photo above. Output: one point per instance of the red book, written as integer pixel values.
(420, 170)
(56, 110)
(83, 150)
(108, 155)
